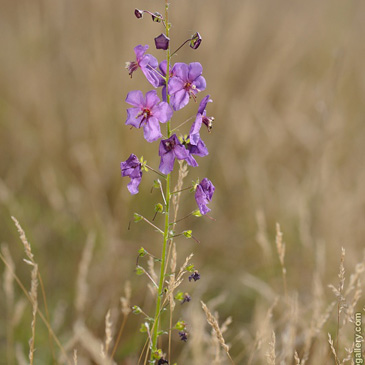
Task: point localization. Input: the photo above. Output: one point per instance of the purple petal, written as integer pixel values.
(162, 112)
(195, 70)
(200, 83)
(201, 200)
(163, 67)
(200, 149)
(180, 99)
(151, 76)
(181, 70)
(203, 104)
(135, 98)
(181, 152)
(134, 184)
(133, 118)
(148, 59)
(139, 51)
(175, 85)
(167, 162)
(195, 129)
(151, 130)
(191, 161)
(151, 99)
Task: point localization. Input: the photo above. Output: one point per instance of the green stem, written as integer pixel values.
(167, 210)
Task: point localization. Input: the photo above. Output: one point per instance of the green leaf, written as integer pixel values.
(144, 327)
(139, 270)
(137, 217)
(156, 184)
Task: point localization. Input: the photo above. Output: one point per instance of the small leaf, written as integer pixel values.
(156, 184)
(179, 296)
(139, 270)
(144, 327)
(137, 217)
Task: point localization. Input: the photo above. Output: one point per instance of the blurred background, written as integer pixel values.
(288, 145)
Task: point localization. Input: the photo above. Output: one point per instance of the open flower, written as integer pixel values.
(203, 195)
(146, 62)
(186, 82)
(132, 168)
(199, 120)
(147, 113)
(170, 149)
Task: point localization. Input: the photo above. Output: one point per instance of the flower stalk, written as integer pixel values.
(167, 204)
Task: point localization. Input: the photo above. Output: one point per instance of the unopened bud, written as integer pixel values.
(157, 17)
(162, 42)
(195, 40)
(138, 13)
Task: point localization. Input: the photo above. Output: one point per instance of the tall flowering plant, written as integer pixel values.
(178, 84)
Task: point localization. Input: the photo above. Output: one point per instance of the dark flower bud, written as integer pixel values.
(138, 13)
(162, 361)
(187, 298)
(183, 336)
(162, 42)
(195, 40)
(157, 17)
(194, 276)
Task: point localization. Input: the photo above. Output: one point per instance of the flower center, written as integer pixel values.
(170, 145)
(146, 113)
(191, 89)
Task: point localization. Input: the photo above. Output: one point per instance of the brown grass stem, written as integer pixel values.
(121, 329)
(41, 315)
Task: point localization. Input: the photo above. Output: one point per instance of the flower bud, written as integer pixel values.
(195, 40)
(138, 13)
(157, 17)
(162, 42)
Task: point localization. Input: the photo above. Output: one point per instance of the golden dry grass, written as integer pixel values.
(287, 80)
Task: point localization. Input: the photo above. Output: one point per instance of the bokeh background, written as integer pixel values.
(288, 145)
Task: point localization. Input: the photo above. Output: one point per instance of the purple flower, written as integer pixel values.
(186, 299)
(147, 112)
(162, 42)
(132, 168)
(146, 62)
(170, 149)
(183, 336)
(199, 120)
(194, 276)
(162, 361)
(186, 82)
(203, 195)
